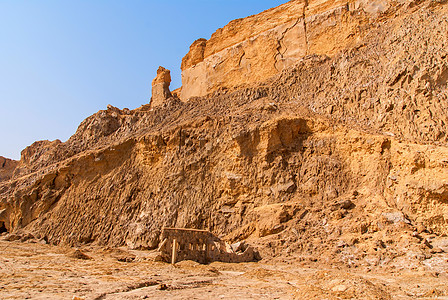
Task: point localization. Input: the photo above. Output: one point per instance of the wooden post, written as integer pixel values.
(174, 254)
(208, 253)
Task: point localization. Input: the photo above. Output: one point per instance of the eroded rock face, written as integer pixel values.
(195, 55)
(7, 167)
(161, 87)
(243, 51)
(341, 157)
(253, 49)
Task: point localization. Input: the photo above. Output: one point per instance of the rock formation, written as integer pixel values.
(7, 167)
(161, 87)
(253, 49)
(322, 135)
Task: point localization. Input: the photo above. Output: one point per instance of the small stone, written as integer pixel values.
(347, 204)
(341, 244)
(270, 107)
(78, 254)
(12, 237)
(340, 288)
(395, 217)
(421, 227)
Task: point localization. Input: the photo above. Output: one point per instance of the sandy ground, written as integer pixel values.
(38, 271)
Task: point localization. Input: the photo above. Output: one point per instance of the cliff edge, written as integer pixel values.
(255, 48)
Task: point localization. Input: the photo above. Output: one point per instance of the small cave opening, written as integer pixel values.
(3, 227)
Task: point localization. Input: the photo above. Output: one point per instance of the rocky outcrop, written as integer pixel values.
(244, 51)
(253, 49)
(195, 55)
(7, 167)
(161, 87)
(340, 157)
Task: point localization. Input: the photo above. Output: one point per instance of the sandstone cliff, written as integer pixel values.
(253, 49)
(340, 156)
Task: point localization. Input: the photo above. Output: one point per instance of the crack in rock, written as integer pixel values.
(281, 44)
(304, 26)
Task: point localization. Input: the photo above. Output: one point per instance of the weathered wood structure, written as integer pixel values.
(179, 244)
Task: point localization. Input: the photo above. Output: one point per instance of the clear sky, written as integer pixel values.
(62, 61)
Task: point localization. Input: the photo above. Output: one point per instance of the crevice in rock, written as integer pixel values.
(3, 227)
(304, 26)
(280, 41)
(180, 139)
(281, 44)
(241, 58)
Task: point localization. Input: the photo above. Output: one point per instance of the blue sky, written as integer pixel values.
(61, 61)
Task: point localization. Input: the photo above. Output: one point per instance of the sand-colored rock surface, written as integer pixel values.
(161, 87)
(253, 49)
(337, 158)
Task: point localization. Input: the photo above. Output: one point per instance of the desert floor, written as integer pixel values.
(40, 271)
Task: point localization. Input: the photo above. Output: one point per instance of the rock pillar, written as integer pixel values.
(161, 87)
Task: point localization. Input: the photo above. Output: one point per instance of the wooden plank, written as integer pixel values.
(162, 244)
(174, 253)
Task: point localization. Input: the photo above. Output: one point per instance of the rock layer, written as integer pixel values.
(252, 49)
